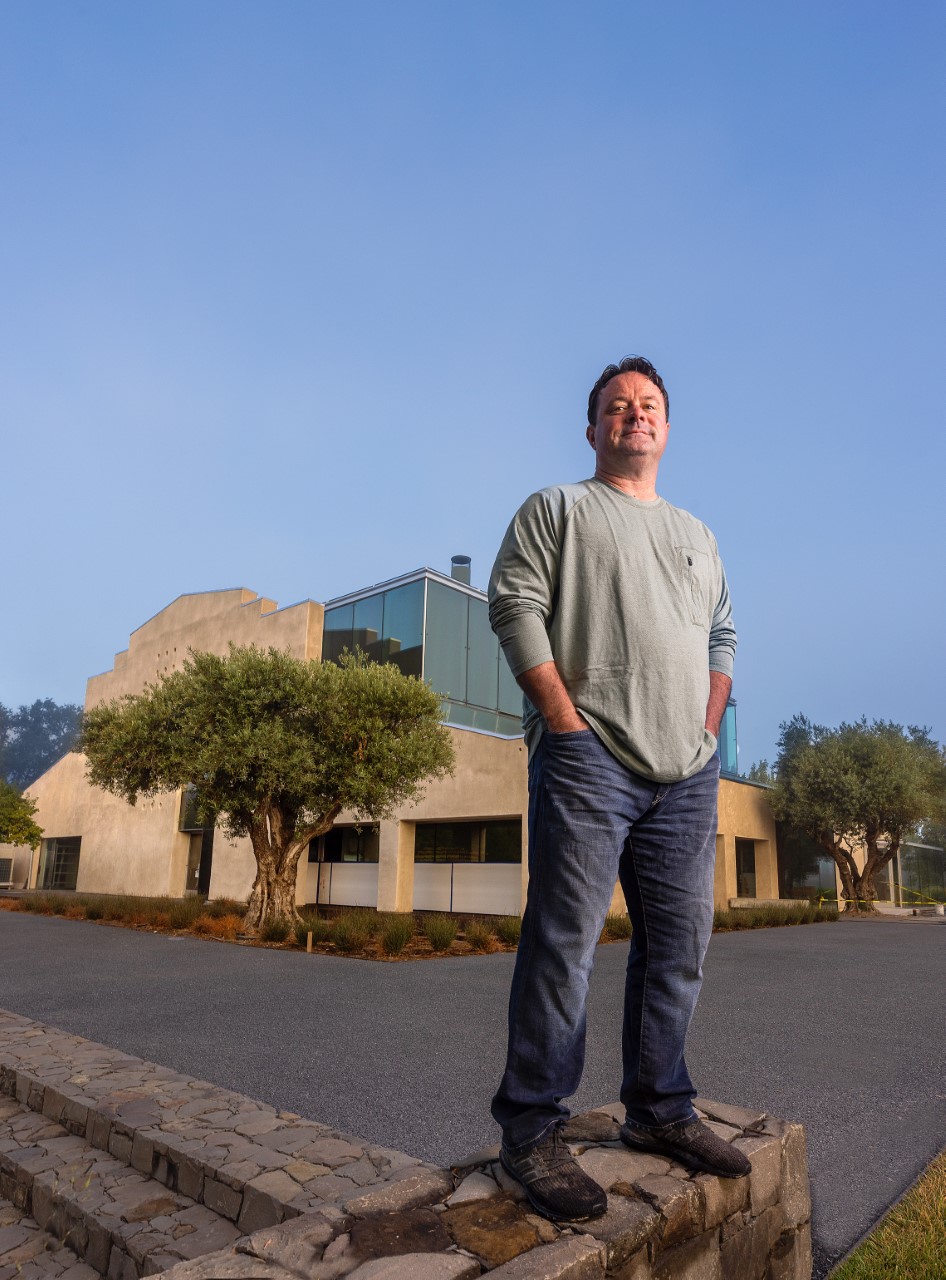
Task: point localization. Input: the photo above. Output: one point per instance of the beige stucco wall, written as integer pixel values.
(207, 621)
(125, 848)
(744, 813)
(21, 855)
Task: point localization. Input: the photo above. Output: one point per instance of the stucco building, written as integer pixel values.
(461, 847)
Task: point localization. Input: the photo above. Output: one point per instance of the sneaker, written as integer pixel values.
(554, 1181)
(691, 1143)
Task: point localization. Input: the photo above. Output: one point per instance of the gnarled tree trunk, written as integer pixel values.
(278, 847)
(273, 898)
(857, 887)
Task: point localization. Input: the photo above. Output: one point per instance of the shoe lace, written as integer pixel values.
(557, 1153)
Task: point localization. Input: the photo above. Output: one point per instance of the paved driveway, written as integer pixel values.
(838, 1026)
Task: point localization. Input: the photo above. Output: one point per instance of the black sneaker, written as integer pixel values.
(691, 1143)
(554, 1181)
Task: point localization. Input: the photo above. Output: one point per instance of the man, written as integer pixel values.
(613, 611)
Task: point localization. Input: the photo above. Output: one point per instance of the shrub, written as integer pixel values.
(227, 926)
(275, 931)
(618, 926)
(771, 916)
(94, 911)
(184, 911)
(479, 935)
(396, 932)
(508, 929)
(222, 907)
(161, 920)
(441, 931)
(319, 928)
(202, 924)
(352, 931)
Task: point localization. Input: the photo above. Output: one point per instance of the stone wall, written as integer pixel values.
(117, 1167)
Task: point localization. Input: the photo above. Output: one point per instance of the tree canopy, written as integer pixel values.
(16, 818)
(862, 787)
(34, 737)
(277, 747)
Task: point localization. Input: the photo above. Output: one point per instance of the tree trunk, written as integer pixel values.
(277, 845)
(864, 893)
(273, 899)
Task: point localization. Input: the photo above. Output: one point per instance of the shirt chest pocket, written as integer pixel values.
(695, 571)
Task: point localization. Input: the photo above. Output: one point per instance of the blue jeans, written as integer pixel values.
(592, 821)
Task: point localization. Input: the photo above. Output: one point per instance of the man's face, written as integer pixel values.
(631, 423)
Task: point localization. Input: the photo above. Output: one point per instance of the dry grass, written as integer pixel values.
(910, 1243)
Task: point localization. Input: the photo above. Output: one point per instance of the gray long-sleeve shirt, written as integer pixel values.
(630, 600)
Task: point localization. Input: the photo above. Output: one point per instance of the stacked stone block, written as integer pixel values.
(141, 1170)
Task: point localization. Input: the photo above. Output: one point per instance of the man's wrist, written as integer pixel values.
(567, 722)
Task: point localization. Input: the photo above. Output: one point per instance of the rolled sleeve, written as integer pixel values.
(722, 638)
(523, 583)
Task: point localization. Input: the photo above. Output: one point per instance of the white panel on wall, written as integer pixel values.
(432, 886)
(352, 884)
(487, 889)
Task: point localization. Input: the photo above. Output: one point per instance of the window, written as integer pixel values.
(745, 868)
(445, 640)
(59, 863)
(337, 632)
(804, 869)
(728, 756)
(923, 869)
(387, 627)
(402, 630)
(346, 844)
(499, 841)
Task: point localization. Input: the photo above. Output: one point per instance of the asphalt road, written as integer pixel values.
(838, 1026)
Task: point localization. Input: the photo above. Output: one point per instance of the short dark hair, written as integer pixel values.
(630, 364)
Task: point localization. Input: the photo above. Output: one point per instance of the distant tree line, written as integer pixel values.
(32, 738)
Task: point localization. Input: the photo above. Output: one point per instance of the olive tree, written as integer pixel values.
(276, 747)
(16, 817)
(858, 789)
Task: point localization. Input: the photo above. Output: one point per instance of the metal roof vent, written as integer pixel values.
(460, 568)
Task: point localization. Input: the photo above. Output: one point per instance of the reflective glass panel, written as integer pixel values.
(61, 863)
(728, 759)
(482, 673)
(351, 844)
(369, 615)
(503, 841)
(336, 632)
(510, 695)
(445, 640)
(403, 630)
(745, 868)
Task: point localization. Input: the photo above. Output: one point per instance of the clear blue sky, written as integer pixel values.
(300, 296)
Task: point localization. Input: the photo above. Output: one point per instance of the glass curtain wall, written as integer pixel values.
(922, 874)
(387, 627)
(464, 663)
(728, 757)
(453, 647)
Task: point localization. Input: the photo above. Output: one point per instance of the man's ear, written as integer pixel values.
(590, 434)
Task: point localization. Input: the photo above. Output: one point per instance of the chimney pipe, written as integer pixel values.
(460, 568)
